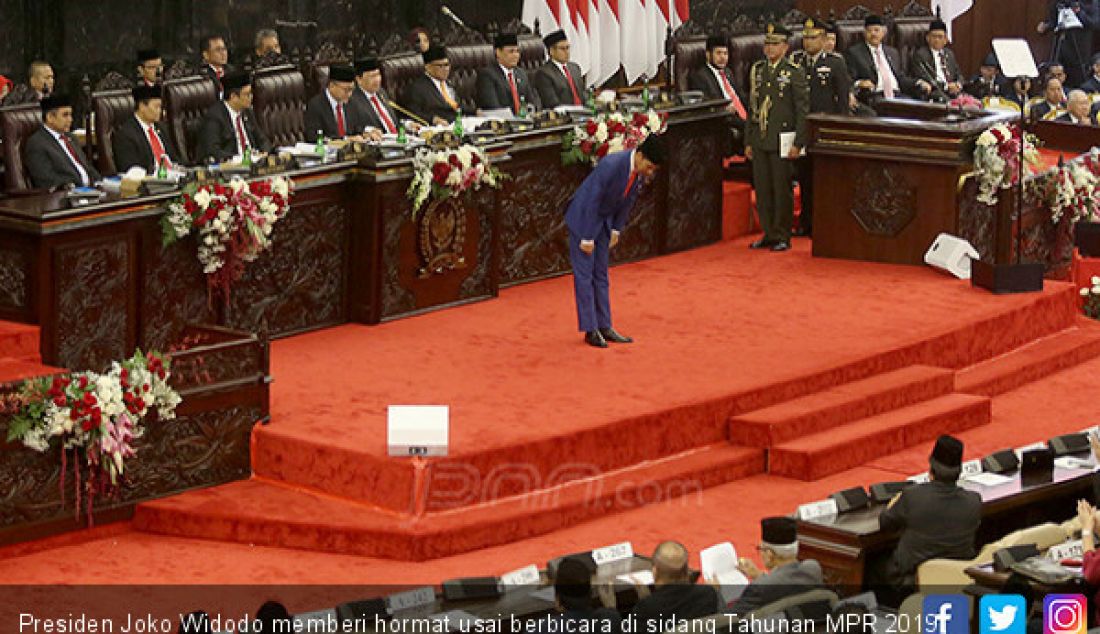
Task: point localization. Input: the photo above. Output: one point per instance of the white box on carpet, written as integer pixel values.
(951, 255)
(417, 430)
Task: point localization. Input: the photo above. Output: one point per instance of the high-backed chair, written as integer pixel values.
(279, 100)
(690, 53)
(17, 123)
(907, 35)
(745, 50)
(111, 107)
(940, 573)
(848, 32)
(399, 70)
(466, 60)
(186, 100)
(532, 53)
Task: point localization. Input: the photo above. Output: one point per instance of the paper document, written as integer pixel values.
(786, 142)
(1015, 58)
(988, 479)
(719, 563)
(639, 578)
(1069, 462)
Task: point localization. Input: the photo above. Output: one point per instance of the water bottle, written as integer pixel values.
(246, 160)
(459, 132)
(592, 105)
(162, 167)
(522, 114)
(402, 138)
(320, 150)
(645, 95)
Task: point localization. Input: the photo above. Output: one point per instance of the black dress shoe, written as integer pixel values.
(609, 334)
(762, 243)
(594, 339)
(802, 233)
(781, 246)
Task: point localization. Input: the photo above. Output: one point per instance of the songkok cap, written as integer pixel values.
(554, 38)
(53, 102)
(717, 41)
(573, 580)
(654, 149)
(145, 93)
(937, 25)
(948, 452)
(147, 54)
(370, 63)
(779, 531)
(434, 54)
(505, 39)
(873, 20)
(812, 28)
(776, 34)
(234, 81)
(341, 73)
(990, 60)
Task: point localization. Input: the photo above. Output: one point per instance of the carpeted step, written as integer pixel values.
(825, 453)
(838, 405)
(1030, 363)
(263, 512)
(12, 370)
(19, 341)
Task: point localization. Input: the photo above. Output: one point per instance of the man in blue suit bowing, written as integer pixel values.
(596, 217)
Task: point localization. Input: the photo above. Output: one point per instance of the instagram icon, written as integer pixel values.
(1064, 614)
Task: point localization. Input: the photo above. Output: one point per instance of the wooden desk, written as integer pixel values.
(846, 543)
(989, 578)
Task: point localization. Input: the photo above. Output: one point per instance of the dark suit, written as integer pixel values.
(936, 519)
(980, 88)
(703, 80)
(132, 148)
(861, 65)
(422, 98)
(367, 114)
(922, 65)
(682, 601)
(320, 116)
(554, 89)
(600, 206)
(218, 138)
(1091, 85)
(1075, 47)
(785, 581)
(1068, 118)
(208, 72)
(49, 165)
(1040, 110)
(494, 92)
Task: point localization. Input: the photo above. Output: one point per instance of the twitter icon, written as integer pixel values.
(1003, 614)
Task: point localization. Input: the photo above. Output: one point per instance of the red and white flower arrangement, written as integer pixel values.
(608, 133)
(1069, 190)
(233, 221)
(450, 172)
(96, 416)
(997, 160)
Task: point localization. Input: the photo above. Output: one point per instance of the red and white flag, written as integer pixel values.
(634, 38)
(546, 12)
(948, 10)
(610, 51)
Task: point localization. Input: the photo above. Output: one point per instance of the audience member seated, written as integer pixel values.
(673, 596)
(786, 575)
(1020, 92)
(40, 81)
(328, 114)
(715, 80)
(150, 67)
(228, 126)
(1077, 109)
(573, 607)
(505, 86)
(430, 96)
(1050, 104)
(53, 158)
(1092, 84)
(876, 68)
(372, 102)
(215, 60)
(831, 32)
(139, 141)
(1086, 515)
(937, 519)
(1056, 71)
(559, 81)
(419, 40)
(935, 63)
(267, 43)
(988, 82)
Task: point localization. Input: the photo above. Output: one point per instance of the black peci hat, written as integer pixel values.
(142, 93)
(873, 20)
(434, 54)
(364, 65)
(717, 41)
(505, 39)
(53, 102)
(780, 531)
(554, 38)
(937, 25)
(341, 73)
(147, 54)
(235, 81)
(948, 452)
(654, 149)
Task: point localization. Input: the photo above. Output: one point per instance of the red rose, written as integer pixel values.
(475, 160)
(592, 127)
(83, 382)
(586, 147)
(454, 160)
(640, 119)
(89, 399)
(440, 172)
(602, 150)
(59, 401)
(86, 425)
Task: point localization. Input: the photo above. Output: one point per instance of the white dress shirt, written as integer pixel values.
(881, 86)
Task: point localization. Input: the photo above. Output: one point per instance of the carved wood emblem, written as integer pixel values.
(441, 236)
(885, 201)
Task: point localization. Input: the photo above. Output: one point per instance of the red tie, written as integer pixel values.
(340, 131)
(572, 86)
(382, 114)
(515, 93)
(158, 147)
(242, 138)
(732, 94)
(72, 156)
(630, 183)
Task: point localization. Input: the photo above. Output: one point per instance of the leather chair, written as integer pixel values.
(186, 100)
(532, 53)
(745, 50)
(690, 53)
(907, 35)
(935, 574)
(279, 100)
(17, 123)
(398, 71)
(848, 32)
(111, 107)
(466, 60)
(817, 595)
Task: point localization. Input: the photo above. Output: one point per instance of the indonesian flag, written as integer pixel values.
(609, 42)
(948, 10)
(576, 29)
(634, 47)
(546, 12)
(657, 15)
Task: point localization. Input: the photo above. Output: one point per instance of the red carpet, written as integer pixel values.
(19, 358)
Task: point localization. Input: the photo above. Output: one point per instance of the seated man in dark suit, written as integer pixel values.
(787, 575)
(40, 81)
(1092, 84)
(370, 99)
(328, 114)
(935, 63)
(430, 96)
(139, 141)
(876, 68)
(938, 519)
(504, 85)
(1054, 100)
(215, 60)
(228, 127)
(674, 595)
(715, 80)
(53, 158)
(989, 82)
(1077, 109)
(573, 604)
(560, 82)
(149, 67)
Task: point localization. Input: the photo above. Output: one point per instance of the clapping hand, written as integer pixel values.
(1087, 516)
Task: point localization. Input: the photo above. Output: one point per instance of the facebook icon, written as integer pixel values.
(945, 614)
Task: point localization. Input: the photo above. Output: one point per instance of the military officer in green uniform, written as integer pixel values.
(779, 101)
(830, 93)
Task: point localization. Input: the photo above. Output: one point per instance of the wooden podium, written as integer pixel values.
(885, 187)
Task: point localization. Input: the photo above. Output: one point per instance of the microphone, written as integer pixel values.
(451, 14)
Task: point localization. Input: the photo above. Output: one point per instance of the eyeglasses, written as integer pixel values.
(440, 64)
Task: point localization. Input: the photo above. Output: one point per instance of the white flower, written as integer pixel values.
(280, 186)
(601, 133)
(1085, 291)
(1095, 281)
(237, 184)
(202, 198)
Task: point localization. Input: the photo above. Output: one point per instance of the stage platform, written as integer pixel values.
(746, 362)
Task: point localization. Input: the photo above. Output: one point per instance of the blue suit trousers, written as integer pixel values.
(591, 284)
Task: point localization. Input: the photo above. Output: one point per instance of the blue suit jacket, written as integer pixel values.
(599, 202)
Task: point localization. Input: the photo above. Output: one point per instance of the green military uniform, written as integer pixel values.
(779, 102)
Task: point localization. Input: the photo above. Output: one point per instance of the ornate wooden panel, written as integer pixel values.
(885, 201)
(694, 215)
(15, 267)
(977, 222)
(396, 297)
(93, 299)
(641, 237)
(173, 292)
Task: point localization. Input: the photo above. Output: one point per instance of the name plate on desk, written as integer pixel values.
(1069, 550)
(526, 576)
(815, 510)
(410, 599)
(970, 468)
(615, 552)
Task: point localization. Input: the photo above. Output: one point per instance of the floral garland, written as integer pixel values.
(1092, 298)
(608, 133)
(98, 414)
(233, 223)
(997, 160)
(1069, 190)
(448, 173)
